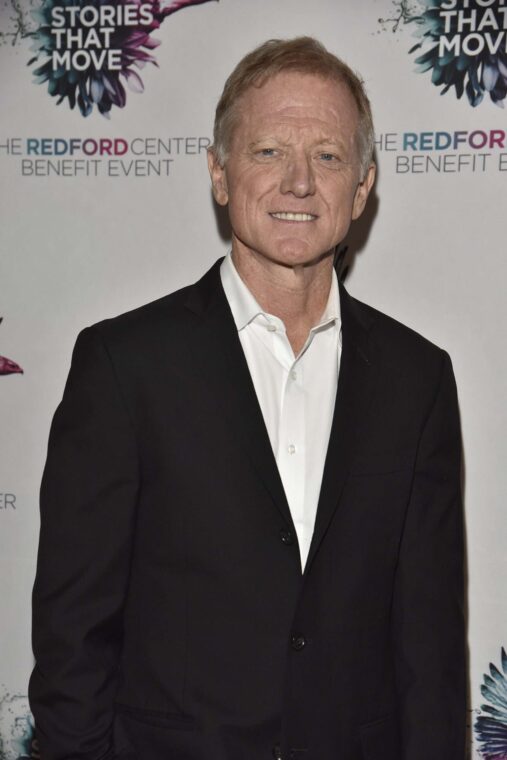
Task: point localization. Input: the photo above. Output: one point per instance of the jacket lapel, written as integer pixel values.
(231, 384)
(358, 371)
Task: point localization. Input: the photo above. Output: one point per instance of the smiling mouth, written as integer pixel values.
(290, 216)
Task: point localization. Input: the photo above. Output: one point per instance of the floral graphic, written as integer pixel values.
(477, 74)
(403, 12)
(7, 366)
(16, 20)
(16, 729)
(100, 86)
(491, 729)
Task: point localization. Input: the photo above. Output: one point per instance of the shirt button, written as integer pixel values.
(286, 537)
(272, 328)
(298, 641)
(291, 449)
(294, 374)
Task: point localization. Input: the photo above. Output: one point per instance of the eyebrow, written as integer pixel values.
(267, 138)
(325, 141)
(330, 141)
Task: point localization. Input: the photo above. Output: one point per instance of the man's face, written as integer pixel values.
(292, 176)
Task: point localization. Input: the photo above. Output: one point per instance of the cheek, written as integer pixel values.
(253, 184)
(243, 216)
(239, 207)
(247, 200)
(342, 202)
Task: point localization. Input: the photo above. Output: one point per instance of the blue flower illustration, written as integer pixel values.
(17, 740)
(491, 729)
(476, 75)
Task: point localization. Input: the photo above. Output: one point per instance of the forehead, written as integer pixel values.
(303, 101)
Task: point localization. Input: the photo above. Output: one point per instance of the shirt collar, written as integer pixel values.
(244, 306)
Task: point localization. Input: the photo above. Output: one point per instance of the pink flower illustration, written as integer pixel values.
(7, 366)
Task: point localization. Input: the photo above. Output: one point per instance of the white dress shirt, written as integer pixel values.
(296, 394)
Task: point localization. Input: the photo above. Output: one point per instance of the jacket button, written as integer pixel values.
(286, 536)
(277, 752)
(297, 641)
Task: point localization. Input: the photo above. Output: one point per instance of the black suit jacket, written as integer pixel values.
(171, 617)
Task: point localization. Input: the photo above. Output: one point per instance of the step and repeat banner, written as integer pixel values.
(106, 113)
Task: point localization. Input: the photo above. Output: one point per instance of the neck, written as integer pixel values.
(295, 294)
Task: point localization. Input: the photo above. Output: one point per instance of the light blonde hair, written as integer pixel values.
(303, 54)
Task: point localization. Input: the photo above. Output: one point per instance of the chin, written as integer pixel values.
(299, 257)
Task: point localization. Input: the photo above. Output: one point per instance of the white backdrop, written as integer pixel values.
(80, 248)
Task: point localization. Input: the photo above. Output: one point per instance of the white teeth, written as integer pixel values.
(290, 217)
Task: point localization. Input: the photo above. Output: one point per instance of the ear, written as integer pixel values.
(363, 191)
(218, 179)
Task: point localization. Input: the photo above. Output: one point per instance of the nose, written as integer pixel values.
(298, 176)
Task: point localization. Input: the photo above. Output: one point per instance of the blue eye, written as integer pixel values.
(267, 152)
(327, 157)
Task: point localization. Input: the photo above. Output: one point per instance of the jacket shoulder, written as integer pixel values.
(170, 316)
(144, 326)
(400, 344)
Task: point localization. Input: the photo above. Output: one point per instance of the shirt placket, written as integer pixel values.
(291, 456)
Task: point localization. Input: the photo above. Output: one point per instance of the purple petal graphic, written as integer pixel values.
(177, 5)
(134, 81)
(489, 76)
(8, 367)
(91, 87)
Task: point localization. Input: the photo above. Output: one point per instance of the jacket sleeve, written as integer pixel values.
(88, 501)
(428, 602)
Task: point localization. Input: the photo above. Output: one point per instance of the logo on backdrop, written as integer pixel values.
(7, 502)
(462, 42)
(445, 151)
(7, 366)
(63, 157)
(17, 741)
(88, 50)
(491, 726)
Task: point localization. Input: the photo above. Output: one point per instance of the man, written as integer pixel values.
(251, 540)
